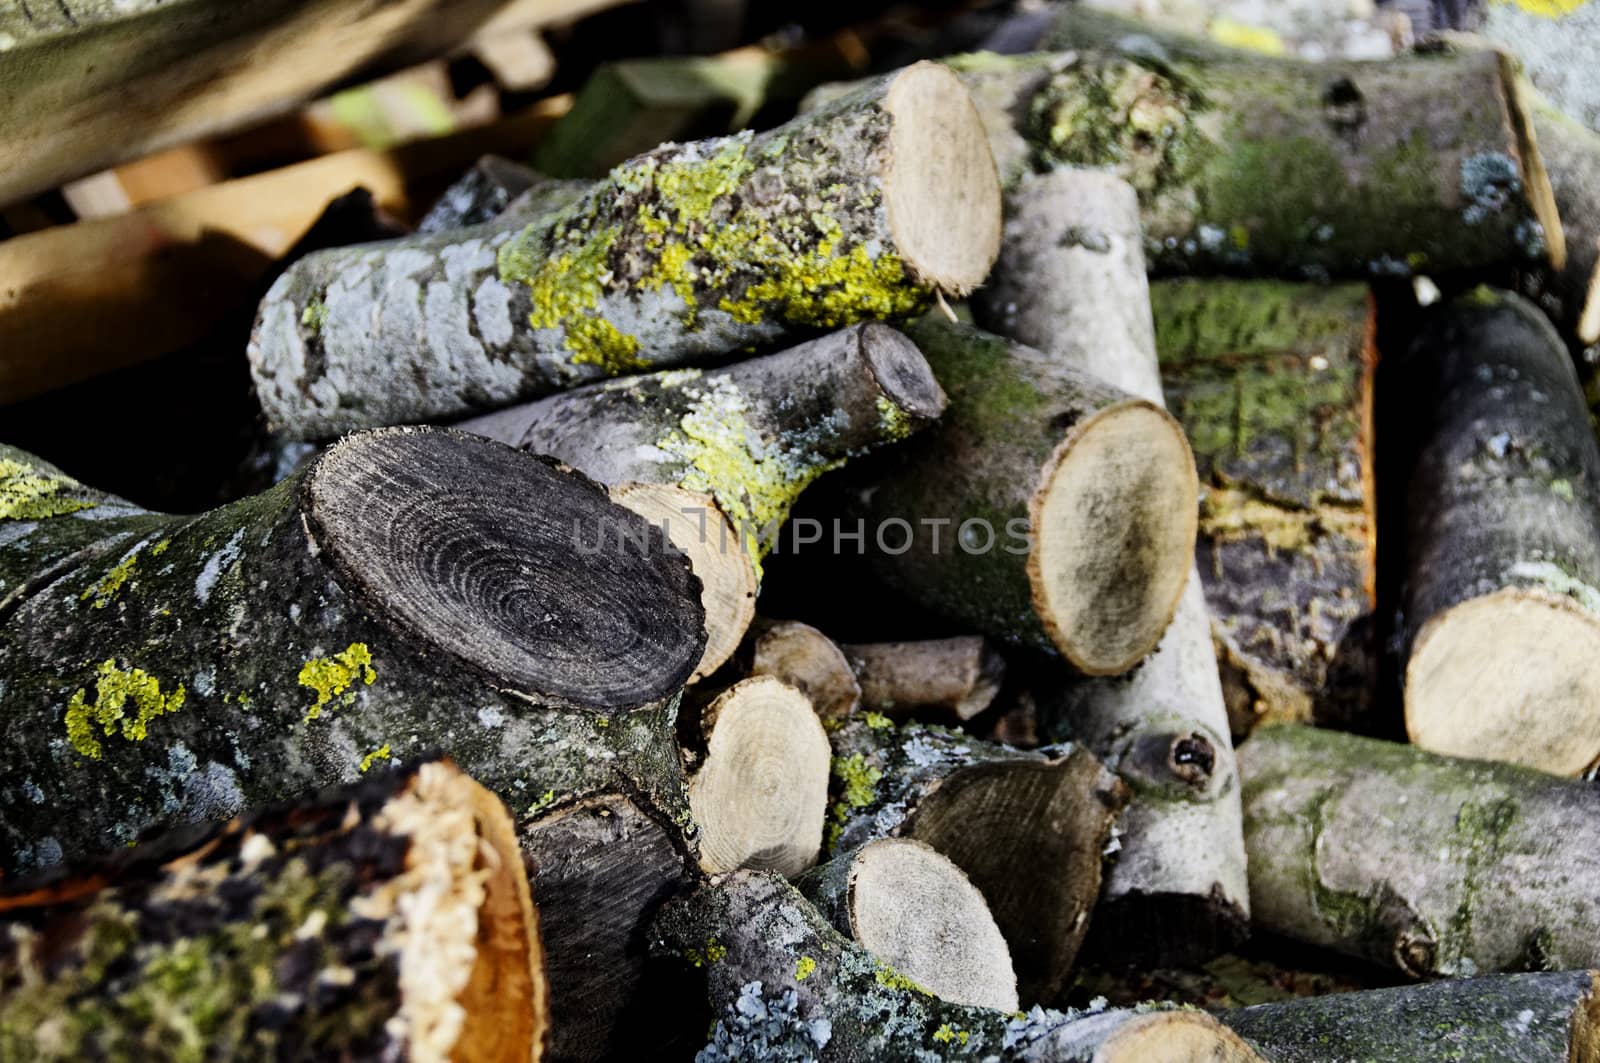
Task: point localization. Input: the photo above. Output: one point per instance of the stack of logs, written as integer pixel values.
(344, 724)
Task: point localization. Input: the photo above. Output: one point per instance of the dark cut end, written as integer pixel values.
(1146, 930)
(902, 372)
(522, 569)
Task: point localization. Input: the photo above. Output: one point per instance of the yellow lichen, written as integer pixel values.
(160, 548)
(1230, 513)
(890, 978)
(946, 1034)
(877, 721)
(1242, 35)
(714, 951)
(114, 689)
(381, 753)
(803, 968)
(860, 789)
(332, 677)
(105, 590)
(26, 494)
(1546, 8)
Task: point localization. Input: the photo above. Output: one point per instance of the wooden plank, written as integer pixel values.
(80, 300)
(87, 84)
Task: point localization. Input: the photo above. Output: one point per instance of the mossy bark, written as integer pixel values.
(1273, 384)
(294, 933)
(1428, 864)
(1518, 1018)
(158, 669)
(682, 254)
(1028, 828)
(786, 985)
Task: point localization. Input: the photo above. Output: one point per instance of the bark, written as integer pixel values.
(160, 669)
(786, 985)
(1503, 545)
(1029, 829)
(1071, 281)
(1273, 384)
(1046, 509)
(483, 193)
(1571, 152)
(956, 677)
(1428, 864)
(389, 920)
(1519, 1018)
(919, 913)
(744, 441)
(685, 253)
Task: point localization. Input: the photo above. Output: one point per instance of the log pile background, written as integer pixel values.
(1006, 530)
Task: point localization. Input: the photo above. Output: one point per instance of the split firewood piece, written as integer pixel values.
(785, 984)
(1549, 1017)
(1502, 606)
(1418, 861)
(163, 668)
(917, 912)
(1046, 509)
(483, 193)
(733, 446)
(1274, 385)
(860, 210)
(761, 791)
(958, 677)
(1028, 828)
(388, 920)
(1571, 153)
(806, 659)
(1071, 281)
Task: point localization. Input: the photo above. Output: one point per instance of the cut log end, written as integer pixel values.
(477, 550)
(1470, 690)
(696, 525)
(805, 658)
(1145, 929)
(1589, 319)
(761, 794)
(902, 372)
(1114, 524)
(918, 912)
(941, 189)
(1175, 1037)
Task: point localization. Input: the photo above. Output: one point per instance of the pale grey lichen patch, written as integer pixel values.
(1490, 180)
(765, 1027)
(491, 309)
(491, 716)
(215, 565)
(466, 259)
(1551, 577)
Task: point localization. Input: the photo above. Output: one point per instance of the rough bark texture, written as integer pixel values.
(389, 920)
(1273, 384)
(1571, 153)
(972, 521)
(956, 677)
(1503, 544)
(1071, 281)
(1028, 828)
(484, 193)
(687, 252)
(1429, 864)
(787, 986)
(160, 669)
(1518, 1018)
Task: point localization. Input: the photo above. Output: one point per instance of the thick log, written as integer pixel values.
(1571, 152)
(760, 791)
(956, 677)
(389, 920)
(741, 442)
(1028, 828)
(787, 985)
(1428, 864)
(808, 660)
(1071, 281)
(919, 913)
(1273, 384)
(1517, 1018)
(1503, 544)
(160, 669)
(688, 252)
(1046, 509)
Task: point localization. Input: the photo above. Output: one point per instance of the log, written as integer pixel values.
(481, 194)
(1516, 1018)
(917, 912)
(387, 920)
(161, 669)
(957, 677)
(1046, 509)
(786, 985)
(760, 792)
(1571, 152)
(808, 660)
(740, 443)
(1503, 544)
(1071, 282)
(687, 252)
(1424, 863)
(1274, 385)
(1028, 828)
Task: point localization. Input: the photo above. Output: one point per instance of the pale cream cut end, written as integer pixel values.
(917, 912)
(941, 190)
(1589, 321)
(1584, 1044)
(696, 525)
(761, 794)
(1175, 1037)
(1511, 676)
(1114, 523)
